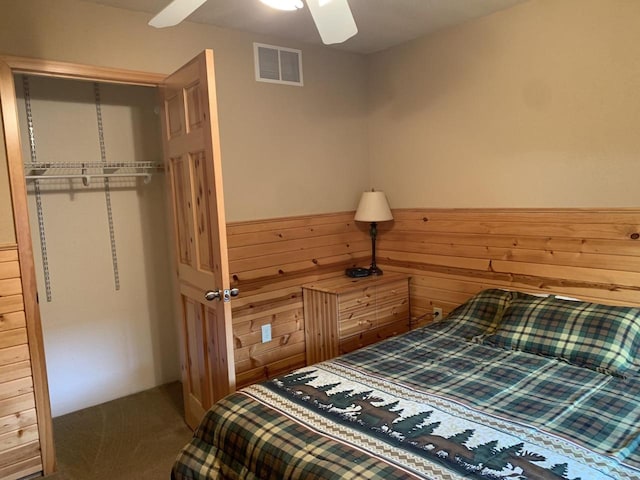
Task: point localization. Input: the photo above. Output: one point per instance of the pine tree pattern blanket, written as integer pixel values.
(424, 405)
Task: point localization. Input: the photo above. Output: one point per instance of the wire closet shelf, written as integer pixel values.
(88, 170)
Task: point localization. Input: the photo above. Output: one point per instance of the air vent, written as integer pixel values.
(278, 64)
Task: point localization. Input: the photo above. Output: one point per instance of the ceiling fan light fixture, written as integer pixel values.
(284, 4)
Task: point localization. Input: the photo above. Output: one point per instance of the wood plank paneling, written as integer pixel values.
(298, 257)
(11, 303)
(12, 423)
(8, 253)
(10, 338)
(20, 452)
(9, 269)
(279, 228)
(16, 387)
(18, 404)
(592, 254)
(14, 371)
(18, 437)
(9, 321)
(22, 469)
(14, 354)
(269, 261)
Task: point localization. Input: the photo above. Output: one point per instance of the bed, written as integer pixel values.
(509, 386)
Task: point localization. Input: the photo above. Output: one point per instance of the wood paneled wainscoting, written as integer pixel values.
(451, 254)
(269, 261)
(19, 436)
(591, 254)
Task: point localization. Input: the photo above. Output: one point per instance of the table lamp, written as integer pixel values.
(373, 208)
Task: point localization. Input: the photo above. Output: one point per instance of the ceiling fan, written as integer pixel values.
(333, 18)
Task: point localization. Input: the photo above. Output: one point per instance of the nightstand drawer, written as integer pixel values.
(354, 324)
(356, 300)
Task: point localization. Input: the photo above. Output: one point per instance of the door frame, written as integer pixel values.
(17, 184)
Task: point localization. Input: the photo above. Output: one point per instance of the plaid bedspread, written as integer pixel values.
(424, 405)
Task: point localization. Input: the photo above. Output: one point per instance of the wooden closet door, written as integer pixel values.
(192, 158)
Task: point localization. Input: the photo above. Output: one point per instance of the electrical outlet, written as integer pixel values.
(437, 313)
(266, 333)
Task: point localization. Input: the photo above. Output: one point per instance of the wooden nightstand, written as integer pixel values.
(343, 314)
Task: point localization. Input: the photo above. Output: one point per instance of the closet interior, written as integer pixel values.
(100, 232)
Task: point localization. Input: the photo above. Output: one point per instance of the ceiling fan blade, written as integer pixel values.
(333, 20)
(175, 12)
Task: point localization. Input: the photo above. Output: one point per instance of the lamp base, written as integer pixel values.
(374, 270)
(357, 272)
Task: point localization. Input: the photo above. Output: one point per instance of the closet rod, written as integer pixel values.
(87, 177)
(43, 166)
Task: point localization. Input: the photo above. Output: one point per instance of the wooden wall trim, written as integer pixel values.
(27, 269)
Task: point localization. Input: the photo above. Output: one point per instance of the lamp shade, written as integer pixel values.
(373, 207)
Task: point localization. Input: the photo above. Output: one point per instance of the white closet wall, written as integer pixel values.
(100, 343)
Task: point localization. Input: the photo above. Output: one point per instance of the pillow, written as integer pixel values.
(477, 316)
(600, 337)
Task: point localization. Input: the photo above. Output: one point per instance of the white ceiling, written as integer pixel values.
(381, 23)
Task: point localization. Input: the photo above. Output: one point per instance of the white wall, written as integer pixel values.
(100, 343)
(533, 106)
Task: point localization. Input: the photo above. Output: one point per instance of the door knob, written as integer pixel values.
(224, 295)
(212, 295)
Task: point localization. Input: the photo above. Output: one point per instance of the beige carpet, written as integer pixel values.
(135, 437)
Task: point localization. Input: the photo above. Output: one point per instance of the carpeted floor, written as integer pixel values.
(135, 437)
